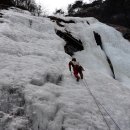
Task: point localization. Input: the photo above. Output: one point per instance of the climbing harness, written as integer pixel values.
(99, 105)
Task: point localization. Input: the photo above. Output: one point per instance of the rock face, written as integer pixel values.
(125, 31)
(72, 44)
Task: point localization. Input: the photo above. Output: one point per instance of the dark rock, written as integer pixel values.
(72, 44)
(53, 18)
(124, 30)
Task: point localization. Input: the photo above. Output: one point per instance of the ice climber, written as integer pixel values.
(77, 69)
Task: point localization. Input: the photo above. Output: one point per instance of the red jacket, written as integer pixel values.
(75, 65)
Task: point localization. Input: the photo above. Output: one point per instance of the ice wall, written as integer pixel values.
(115, 47)
(30, 53)
(39, 92)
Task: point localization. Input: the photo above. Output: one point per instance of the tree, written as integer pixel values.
(29, 5)
(70, 9)
(73, 8)
(77, 4)
(59, 11)
(39, 10)
(6, 2)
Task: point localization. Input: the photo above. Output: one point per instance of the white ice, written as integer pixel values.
(32, 58)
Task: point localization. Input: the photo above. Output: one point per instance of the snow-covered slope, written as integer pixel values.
(37, 92)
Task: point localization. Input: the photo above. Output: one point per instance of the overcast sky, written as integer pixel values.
(51, 5)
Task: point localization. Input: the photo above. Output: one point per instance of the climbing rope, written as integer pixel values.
(96, 101)
(98, 105)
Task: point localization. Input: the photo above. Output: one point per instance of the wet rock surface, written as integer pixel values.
(125, 31)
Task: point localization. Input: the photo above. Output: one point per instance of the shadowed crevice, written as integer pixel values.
(72, 45)
(88, 23)
(1, 15)
(98, 39)
(99, 43)
(111, 66)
